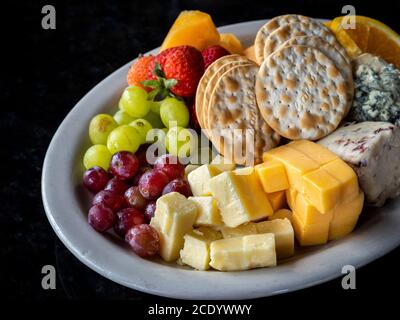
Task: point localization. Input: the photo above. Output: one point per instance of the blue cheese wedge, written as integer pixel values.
(377, 90)
(372, 149)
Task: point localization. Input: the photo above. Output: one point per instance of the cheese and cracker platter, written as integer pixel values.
(270, 145)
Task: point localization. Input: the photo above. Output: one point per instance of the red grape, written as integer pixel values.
(110, 199)
(95, 179)
(152, 183)
(144, 240)
(170, 165)
(124, 165)
(126, 219)
(101, 217)
(134, 198)
(141, 155)
(150, 210)
(139, 174)
(117, 186)
(178, 185)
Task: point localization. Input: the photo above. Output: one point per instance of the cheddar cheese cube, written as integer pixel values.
(281, 214)
(272, 175)
(345, 217)
(243, 253)
(173, 218)
(196, 249)
(308, 214)
(210, 232)
(309, 235)
(291, 195)
(284, 235)
(346, 176)
(207, 211)
(315, 151)
(277, 200)
(296, 164)
(321, 189)
(240, 197)
(199, 179)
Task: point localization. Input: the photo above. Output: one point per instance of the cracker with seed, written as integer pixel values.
(211, 85)
(297, 29)
(233, 108)
(208, 74)
(301, 93)
(333, 54)
(268, 28)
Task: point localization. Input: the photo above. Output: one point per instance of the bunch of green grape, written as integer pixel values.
(128, 128)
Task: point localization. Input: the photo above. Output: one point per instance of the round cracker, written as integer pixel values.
(211, 85)
(208, 74)
(333, 54)
(233, 106)
(301, 93)
(271, 26)
(296, 29)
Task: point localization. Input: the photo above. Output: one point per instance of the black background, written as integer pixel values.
(46, 72)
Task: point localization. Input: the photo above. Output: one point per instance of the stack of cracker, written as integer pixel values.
(304, 86)
(300, 86)
(226, 109)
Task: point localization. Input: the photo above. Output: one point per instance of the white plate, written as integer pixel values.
(66, 204)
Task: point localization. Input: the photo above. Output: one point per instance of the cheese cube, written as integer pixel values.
(207, 211)
(296, 164)
(318, 153)
(210, 233)
(242, 230)
(243, 253)
(277, 200)
(281, 214)
(281, 228)
(346, 176)
(308, 214)
(291, 195)
(284, 235)
(189, 168)
(173, 218)
(272, 175)
(240, 198)
(309, 235)
(345, 217)
(223, 164)
(322, 190)
(199, 179)
(196, 248)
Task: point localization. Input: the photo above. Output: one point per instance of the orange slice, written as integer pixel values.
(370, 36)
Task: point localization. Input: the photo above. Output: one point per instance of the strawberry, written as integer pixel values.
(184, 64)
(140, 71)
(213, 53)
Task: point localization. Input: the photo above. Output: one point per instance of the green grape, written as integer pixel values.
(154, 120)
(174, 112)
(134, 102)
(97, 155)
(122, 117)
(142, 126)
(155, 106)
(124, 138)
(100, 127)
(179, 141)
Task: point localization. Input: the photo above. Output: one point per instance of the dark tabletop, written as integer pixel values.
(45, 74)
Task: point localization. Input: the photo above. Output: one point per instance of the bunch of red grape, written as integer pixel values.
(126, 194)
